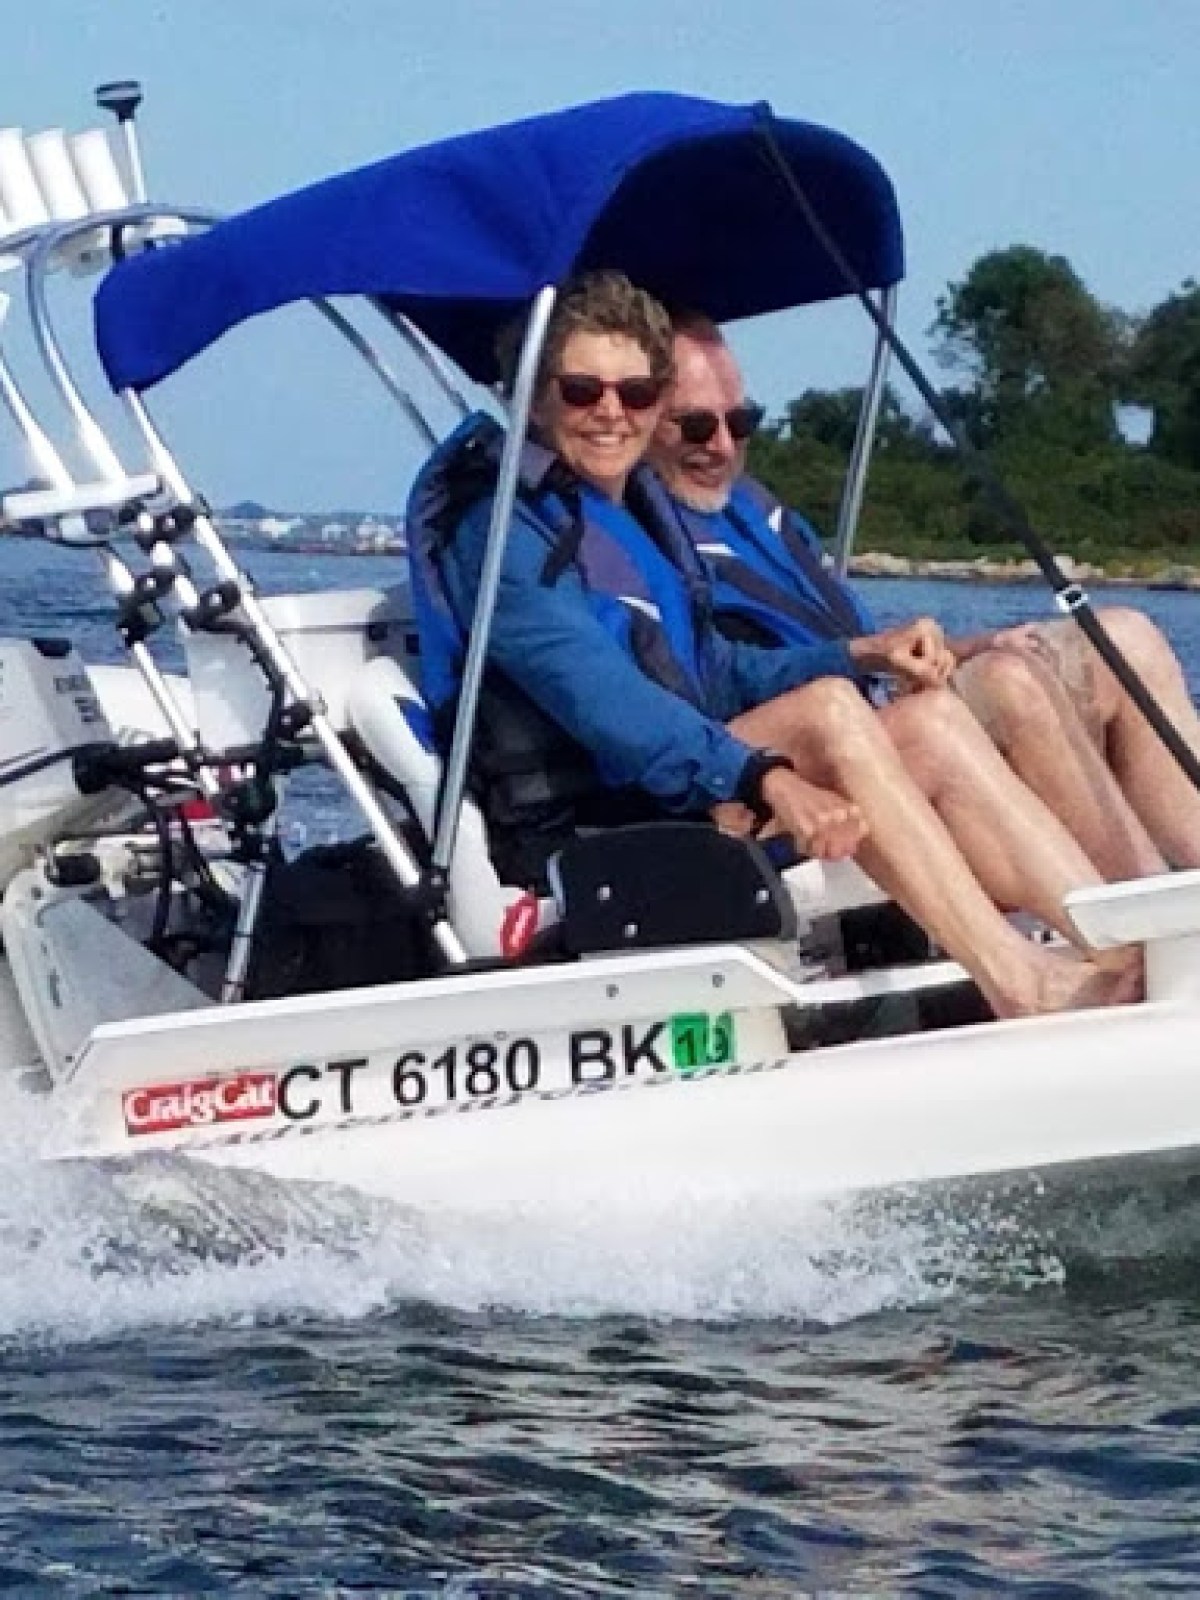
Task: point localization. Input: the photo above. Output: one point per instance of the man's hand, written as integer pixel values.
(969, 646)
(916, 653)
(821, 823)
(1024, 636)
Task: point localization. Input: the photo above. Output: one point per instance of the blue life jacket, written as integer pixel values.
(650, 593)
(770, 581)
(534, 781)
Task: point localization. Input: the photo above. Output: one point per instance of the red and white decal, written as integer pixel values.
(519, 926)
(166, 1107)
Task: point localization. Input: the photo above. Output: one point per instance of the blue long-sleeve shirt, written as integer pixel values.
(549, 641)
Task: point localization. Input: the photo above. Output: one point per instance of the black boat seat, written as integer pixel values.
(667, 883)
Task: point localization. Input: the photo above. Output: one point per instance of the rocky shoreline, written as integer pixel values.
(984, 569)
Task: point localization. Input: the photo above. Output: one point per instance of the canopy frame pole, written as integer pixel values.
(91, 434)
(37, 440)
(427, 353)
(455, 781)
(51, 462)
(850, 506)
(95, 442)
(1070, 596)
(396, 852)
(380, 368)
(97, 445)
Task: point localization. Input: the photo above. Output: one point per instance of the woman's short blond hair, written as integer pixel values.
(604, 301)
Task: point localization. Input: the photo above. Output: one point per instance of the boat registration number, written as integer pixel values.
(445, 1073)
(682, 1043)
(458, 1071)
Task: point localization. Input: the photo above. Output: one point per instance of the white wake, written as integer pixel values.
(94, 1249)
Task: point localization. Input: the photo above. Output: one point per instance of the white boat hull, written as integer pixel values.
(314, 1090)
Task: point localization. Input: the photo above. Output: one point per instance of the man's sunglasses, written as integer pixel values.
(698, 427)
(581, 390)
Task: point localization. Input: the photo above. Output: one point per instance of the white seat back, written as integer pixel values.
(388, 714)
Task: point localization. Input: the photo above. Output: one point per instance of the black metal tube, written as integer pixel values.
(1071, 597)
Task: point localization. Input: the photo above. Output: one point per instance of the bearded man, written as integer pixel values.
(1049, 703)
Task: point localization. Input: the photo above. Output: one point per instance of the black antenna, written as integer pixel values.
(1072, 598)
(121, 97)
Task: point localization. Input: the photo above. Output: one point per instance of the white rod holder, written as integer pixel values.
(97, 170)
(20, 194)
(55, 172)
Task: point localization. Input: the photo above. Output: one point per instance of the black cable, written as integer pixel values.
(162, 904)
(207, 889)
(1072, 598)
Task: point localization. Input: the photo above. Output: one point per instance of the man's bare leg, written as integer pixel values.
(838, 742)
(1027, 712)
(1021, 854)
(1157, 789)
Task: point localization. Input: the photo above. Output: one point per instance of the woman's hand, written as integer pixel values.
(916, 653)
(821, 823)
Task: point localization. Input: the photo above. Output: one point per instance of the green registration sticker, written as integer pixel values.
(700, 1040)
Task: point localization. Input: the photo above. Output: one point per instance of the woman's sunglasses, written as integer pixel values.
(698, 427)
(581, 390)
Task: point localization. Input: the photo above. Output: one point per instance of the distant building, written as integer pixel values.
(279, 527)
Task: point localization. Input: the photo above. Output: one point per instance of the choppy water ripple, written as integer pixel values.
(215, 1383)
(897, 1456)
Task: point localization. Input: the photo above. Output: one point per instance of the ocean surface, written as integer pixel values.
(214, 1383)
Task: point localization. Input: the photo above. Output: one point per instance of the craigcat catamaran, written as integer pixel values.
(677, 1004)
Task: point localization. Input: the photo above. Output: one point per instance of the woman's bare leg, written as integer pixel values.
(838, 742)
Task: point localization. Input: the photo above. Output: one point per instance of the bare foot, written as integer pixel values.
(1121, 958)
(1070, 983)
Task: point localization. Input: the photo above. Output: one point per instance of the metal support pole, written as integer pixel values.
(97, 446)
(381, 370)
(455, 783)
(430, 357)
(396, 852)
(122, 99)
(241, 946)
(864, 441)
(1071, 597)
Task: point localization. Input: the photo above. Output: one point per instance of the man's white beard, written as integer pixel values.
(708, 501)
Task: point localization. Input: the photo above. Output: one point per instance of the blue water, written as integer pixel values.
(215, 1384)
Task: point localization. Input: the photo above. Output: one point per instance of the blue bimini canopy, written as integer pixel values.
(459, 236)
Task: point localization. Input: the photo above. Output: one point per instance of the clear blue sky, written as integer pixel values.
(1068, 124)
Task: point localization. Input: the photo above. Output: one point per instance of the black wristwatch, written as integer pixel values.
(750, 781)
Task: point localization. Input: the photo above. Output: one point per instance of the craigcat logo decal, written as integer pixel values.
(165, 1107)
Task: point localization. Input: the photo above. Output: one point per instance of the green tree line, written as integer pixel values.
(1091, 416)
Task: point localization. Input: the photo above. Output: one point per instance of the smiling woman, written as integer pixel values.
(599, 412)
(604, 370)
